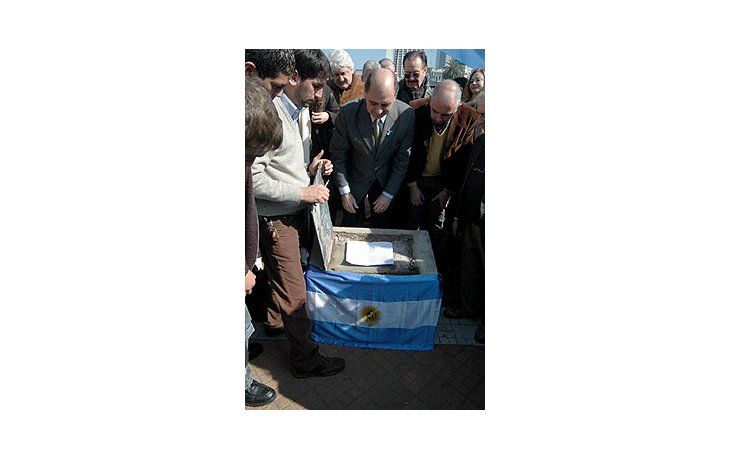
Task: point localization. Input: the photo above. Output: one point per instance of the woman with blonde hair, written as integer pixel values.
(474, 87)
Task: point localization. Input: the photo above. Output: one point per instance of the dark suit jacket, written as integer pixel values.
(456, 206)
(461, 132)
(356, 163)
(322, 134)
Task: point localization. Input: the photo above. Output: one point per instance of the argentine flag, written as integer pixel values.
(373, 311)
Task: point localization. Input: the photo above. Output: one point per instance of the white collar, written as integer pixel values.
(372, 120)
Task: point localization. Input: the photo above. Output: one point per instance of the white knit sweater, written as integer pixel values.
(279, 175)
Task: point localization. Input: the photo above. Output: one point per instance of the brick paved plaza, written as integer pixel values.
(449, 377)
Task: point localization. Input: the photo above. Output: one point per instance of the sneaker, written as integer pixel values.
(259, 394)
(326, 367)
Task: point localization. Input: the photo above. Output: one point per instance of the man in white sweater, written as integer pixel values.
(282, 188)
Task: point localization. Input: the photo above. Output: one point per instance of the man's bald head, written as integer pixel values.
(381, 78)
(447, 92)
(380, 92)
(445, 101)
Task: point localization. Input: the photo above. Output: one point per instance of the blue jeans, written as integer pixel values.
(249, 333)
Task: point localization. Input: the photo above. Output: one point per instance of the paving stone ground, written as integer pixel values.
(449, 377)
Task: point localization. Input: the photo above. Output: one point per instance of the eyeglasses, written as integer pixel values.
(411, 74)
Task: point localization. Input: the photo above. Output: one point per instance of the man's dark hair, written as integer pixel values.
(415, 54)
(270, 63)
(263, 125)
(312, 64)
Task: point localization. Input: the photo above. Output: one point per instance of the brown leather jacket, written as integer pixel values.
(356, 90)
(460, 135)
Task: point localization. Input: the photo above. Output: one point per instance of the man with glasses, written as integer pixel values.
(370, 149)
(414, 84)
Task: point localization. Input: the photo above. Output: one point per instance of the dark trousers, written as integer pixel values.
(359, 219)
(430, 216)
(279, 241)
(472, 268)
(426, 216)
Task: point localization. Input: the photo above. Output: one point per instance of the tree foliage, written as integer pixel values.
(453, 69)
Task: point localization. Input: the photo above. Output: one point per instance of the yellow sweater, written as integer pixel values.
(433, 161)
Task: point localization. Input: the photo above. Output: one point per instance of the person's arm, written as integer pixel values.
(270, 189)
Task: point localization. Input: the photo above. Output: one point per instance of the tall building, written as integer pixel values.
(442, 58)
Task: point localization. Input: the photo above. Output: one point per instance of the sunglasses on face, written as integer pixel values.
(411, 74)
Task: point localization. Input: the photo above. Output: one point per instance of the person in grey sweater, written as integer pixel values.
(281, 181)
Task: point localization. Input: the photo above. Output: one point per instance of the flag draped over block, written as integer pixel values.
(373, 311)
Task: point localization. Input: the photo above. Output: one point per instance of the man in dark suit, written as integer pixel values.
(370, 147)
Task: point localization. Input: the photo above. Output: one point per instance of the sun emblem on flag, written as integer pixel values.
(369, 315)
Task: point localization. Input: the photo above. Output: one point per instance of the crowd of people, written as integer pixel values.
(399, 154)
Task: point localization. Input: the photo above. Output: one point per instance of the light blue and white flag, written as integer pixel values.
(373, 311)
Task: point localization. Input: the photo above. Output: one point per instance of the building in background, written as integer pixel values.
(435, 76)
(442, 58)
(435, 68)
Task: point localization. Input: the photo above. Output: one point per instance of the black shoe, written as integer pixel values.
(254, 349)
(479, 336)
(259, 394)
(273, 331)
(326, 366)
